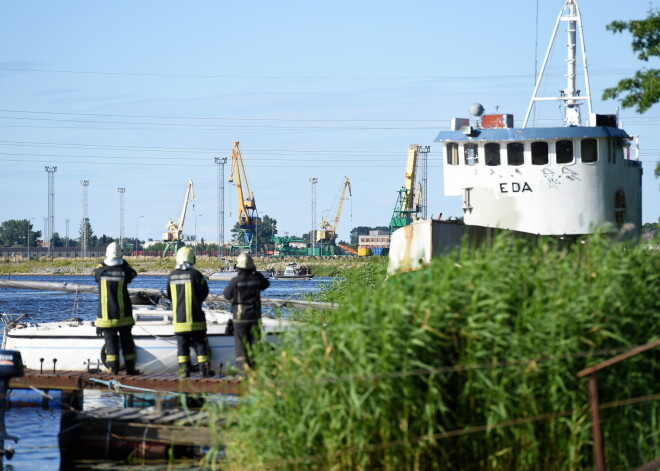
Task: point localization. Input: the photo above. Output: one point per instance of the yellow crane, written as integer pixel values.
(174, 231)
(328, 233)
(248, 218)
(407, 204)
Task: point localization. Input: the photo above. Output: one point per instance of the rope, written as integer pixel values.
(116, 386)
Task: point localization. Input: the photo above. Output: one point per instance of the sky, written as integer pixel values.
(145, 95)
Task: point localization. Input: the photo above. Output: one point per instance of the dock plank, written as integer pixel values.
(76, 380)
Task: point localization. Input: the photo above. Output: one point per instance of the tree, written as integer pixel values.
(57, 240)
(90, 234)
(642, 90)
(263, 232)
(16, 232)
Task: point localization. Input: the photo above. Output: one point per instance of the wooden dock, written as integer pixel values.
(136, 433)
(80, 380)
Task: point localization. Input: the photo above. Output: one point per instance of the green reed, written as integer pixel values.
(468, 364)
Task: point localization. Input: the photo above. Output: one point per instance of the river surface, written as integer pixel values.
(37, 429)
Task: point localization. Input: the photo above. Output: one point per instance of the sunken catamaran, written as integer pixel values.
(566, 181)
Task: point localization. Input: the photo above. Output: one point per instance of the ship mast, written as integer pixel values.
(570, 96)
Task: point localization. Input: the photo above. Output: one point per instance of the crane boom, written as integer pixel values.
(174, 232)
(407, 204)
(248, 217)
(409, 177)
(247, 206)
(328, 233)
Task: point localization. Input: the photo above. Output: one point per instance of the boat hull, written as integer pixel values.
(228, 275)
(74, 346)
(294, 277)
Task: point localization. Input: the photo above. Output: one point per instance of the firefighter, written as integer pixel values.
(244, 293)
(187, 288)
(115, 314)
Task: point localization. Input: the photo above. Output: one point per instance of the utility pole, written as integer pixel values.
(85, 221)
(312, 241)
(221, 161)
(121, 217)
(51, 207)
(66, 234)
(423, 163)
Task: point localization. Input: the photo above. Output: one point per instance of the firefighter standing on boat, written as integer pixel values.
(244, 293)
(187, 288)
(115, 314)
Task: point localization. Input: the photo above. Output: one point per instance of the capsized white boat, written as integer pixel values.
(73, 345)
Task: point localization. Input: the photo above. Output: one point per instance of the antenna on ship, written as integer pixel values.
(570, 96)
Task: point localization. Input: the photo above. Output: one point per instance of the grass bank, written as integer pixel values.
(468, 364)
(162, 266)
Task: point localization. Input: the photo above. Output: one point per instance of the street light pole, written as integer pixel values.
(136, 234)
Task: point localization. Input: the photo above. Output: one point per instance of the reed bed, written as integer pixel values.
(468, 364)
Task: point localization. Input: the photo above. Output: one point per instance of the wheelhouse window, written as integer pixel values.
(470, 154)
(564, 151)
(492, 153)
(515, 153)
(589, 150)
(540, 153)
(452, 153)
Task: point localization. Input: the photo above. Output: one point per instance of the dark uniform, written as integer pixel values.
(115, 314)
(187, 288)
(244, 293)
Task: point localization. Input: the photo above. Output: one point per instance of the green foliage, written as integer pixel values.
(642, 90)
(365, 277)
(262, 234)
(468, 364)
(15, 233)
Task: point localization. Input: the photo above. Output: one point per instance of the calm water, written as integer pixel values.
(37, 429)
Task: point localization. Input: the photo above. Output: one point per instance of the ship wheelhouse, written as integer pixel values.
(552, 181)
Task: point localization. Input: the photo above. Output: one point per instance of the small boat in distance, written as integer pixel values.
(294, 271)
(227, 272)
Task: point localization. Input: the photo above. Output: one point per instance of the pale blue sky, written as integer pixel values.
(143, 95)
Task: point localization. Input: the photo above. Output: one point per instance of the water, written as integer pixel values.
(37, 429)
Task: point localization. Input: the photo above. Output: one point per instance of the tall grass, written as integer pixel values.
(468, 364)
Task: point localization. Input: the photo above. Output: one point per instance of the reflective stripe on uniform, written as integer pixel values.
(104, 299)
(120, 299)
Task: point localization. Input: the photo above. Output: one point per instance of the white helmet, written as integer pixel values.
(244, 261)
(113, 250)
(185, 255)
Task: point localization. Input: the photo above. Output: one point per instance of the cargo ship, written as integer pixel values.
(566, 181)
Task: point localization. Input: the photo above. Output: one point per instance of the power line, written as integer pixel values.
(295, 77)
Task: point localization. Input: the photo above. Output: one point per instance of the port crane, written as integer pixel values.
(248, 217)
(328, 233)
(407, 203)
(173, 234)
